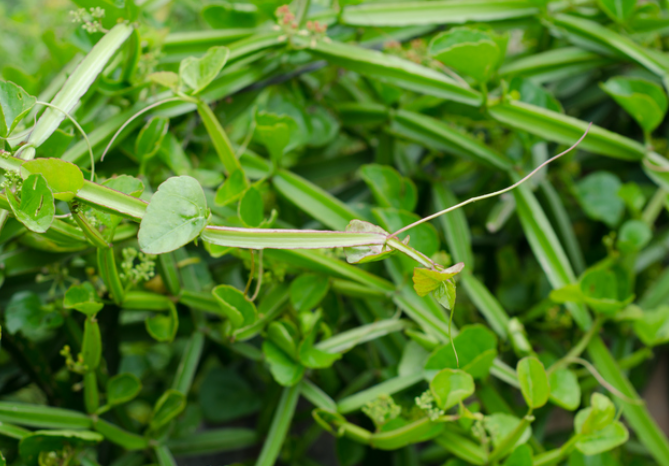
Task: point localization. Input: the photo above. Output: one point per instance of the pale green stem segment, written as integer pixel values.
(79, 82)
(258, 238)
(93, 235)
(555, 456)
(218, 138)
(189, 362)
(496, 193)
(280, 424)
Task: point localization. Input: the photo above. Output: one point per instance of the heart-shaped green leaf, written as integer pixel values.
(438, 282)
(278, 133)
(122, 388)
(307, 291)
(472, 52)
(390, 189)
(285, 370)
(645, 101)
(653, 327)
(598, 416)
(606, 439)
(231, 189)
(163, 326)
(36, 207)
(175, 216)
(451, 386)
(234, 304)
(477, 349)
(198, 73)
(64, 178)
(83, 298)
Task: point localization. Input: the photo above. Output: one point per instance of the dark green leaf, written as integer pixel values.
(83, 298)
(122, 388)
(15, 103)
(167, 408)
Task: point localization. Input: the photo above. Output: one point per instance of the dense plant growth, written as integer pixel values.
(236, 229)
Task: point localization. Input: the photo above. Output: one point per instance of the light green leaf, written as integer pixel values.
(278, 133)
(231, 189)
(610, 437)
(644, 100)
(198, 73)
(634, 235)
(122, 388)
(307, 291)
(534, 94)
(598, 195)
(567, 294)
(653, 327)
(533, 382)
(36, 208)
(64, 178)
(234, 304)
(605, 291)
(284, 335)
(83, 298)
(315, 358)
(390, 189)
(598, 416)
(175, 216)
(521, 456)
(451, 386)
(565, 389)
(150, 138)
(167, 408)
(284, 369)
(477, 348)
(251, 208)
(472, 52)
(15, 103)
(426, 281)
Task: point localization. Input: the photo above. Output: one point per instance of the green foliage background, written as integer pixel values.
(185, 301)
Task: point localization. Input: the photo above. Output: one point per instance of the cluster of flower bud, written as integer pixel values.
(90, 19)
